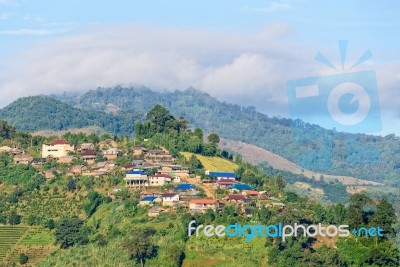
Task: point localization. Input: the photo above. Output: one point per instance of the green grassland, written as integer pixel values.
(213, 163)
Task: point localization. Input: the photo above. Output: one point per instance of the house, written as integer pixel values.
(201, 204)
(85, 146)
(159, 179)
(222, 175)
(240, 187)
(176, 171)
(170, 199)
(89, 156)
(128, 167)
(159, 156)
(225, 183)
(138, 150)
(111, 153)
(57, 148)
(136, 179)
(16, 151)
(235, 198)
(106, 144)
(250, 193)
(78, 169)
(66, 159)
(38, 161)
(22, 159)
(5, 149)
(50, 174)
(155, 211)
(184, 187)
(149, 200)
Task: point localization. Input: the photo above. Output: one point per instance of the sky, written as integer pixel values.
(243, 52)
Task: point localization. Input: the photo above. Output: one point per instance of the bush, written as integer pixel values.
(23, 259)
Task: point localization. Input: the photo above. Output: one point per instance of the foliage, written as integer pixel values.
(70, 231)
(139, 244)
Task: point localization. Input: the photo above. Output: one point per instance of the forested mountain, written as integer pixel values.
(44, 112)
(313, 147)
(358, 155)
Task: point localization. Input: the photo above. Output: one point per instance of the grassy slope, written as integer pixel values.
(213, 163)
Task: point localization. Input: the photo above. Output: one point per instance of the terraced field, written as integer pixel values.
(36, 243)
(9, 236)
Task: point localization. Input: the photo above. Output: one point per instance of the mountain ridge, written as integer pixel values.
(346, 154)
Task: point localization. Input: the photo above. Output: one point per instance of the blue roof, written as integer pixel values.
(241, 187)
(137, 172)
(184, 187)
(223, 174)
(148, 199)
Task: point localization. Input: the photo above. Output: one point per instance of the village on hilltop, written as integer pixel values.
(163, 184)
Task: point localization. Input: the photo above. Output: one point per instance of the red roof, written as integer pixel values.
(169, 194)
(59, 142)
(236, 197)
(162, 175)
(88, 152)
(203, 201)
(251, 192)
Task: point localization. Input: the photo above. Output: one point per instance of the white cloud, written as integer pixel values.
(248, 69)
(35, 32)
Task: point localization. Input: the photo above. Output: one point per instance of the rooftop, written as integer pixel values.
(203, 201)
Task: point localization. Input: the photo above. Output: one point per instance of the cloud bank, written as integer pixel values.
(248, 69)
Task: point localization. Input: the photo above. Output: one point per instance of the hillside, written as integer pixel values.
(311, 147)
(46, 113)
(256, 155)
(215, 164)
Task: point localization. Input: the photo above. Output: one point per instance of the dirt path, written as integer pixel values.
(206, 187)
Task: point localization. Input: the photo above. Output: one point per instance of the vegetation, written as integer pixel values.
(70, 221)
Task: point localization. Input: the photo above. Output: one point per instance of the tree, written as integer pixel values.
(199, 133)
(384, 217)
(355, 211)
(70, 231)
(280, 182)
(194, 164)
(213, 138)
(14, 218)
(51, 224)
(23, 259)
(159, 116)
(139, 243)
(94, 199)
(71, 184)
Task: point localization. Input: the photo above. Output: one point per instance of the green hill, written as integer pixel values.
(46, 113)
(362, 156)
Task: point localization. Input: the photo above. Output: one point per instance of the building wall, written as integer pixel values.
(56, 151)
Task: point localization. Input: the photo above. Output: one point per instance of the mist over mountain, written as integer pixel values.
(310, 146)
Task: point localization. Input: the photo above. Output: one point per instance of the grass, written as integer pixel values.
(213, 163)
(225, 251)
(9, 236)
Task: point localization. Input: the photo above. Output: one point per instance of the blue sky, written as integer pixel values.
(239, 51)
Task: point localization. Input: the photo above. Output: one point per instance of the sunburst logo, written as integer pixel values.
(347, 101)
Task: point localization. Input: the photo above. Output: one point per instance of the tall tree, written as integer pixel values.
(213, 138)
(139, 243)
(384, 217)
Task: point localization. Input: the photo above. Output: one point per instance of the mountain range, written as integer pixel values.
(312, 147)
